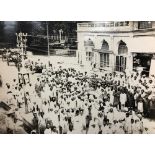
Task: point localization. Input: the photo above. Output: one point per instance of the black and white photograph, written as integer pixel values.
(77, 77)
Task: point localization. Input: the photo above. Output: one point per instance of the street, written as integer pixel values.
(9, 73)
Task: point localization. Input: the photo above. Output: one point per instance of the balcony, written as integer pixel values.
(144, 25)
(105, 26)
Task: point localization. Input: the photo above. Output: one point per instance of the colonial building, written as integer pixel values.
(117, 46)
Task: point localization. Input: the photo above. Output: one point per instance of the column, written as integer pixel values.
(152, 68)
(111, 62)
(112, 54)
(97, 59)
(129, 63)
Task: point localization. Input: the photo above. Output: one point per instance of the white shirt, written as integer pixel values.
(47, 131)
(123, 98)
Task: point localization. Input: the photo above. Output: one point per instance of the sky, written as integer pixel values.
(9, 28)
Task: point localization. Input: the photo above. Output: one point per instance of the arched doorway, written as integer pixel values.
(104, 54)
(121, 58)
(89, 46)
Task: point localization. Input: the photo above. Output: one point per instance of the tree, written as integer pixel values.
(24, 26)
(2, 31)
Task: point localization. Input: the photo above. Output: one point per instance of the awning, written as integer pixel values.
(142, 45)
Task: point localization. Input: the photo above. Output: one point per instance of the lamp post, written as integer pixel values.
(48, 46)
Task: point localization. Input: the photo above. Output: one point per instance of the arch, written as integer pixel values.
(122, 48)
(121, 58)
(88, 42)
(104, 54)
(105, 45)
(89, 46)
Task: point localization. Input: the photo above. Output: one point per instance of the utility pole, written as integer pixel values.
(48, 39)
(48, 47)
(21, 44)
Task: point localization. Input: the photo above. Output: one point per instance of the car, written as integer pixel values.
(13, 57)
(5, 53)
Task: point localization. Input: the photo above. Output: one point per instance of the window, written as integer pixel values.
(105, 46)
(78, 58)
(89, 46)
(89, 42)
(116, 24)
(89, 56)
(104, 60)
(126, 23)
(121, 24)
(144, 25)
(122, 49)
(104, 56)
(121, 58)
(120, 63)
(111, 24)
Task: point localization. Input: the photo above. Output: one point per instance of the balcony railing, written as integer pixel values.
(144, 25)
(104, 24)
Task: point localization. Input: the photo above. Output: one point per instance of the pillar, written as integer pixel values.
(112, 61)
(152, 67)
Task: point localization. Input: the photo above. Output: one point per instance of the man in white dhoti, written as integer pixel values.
(123, 99)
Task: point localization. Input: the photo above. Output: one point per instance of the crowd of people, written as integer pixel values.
(66, 101)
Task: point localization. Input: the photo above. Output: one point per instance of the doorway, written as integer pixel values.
(142, 60)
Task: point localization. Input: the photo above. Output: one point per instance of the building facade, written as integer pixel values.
(117, 46)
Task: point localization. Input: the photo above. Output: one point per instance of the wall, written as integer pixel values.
(144, 43)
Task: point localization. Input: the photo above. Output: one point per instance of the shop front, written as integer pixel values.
(142, 62)
(143, 50)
